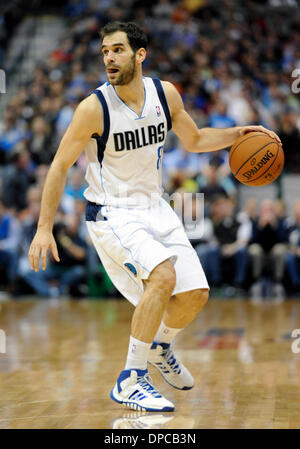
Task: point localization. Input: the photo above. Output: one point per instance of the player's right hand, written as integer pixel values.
(43, 240)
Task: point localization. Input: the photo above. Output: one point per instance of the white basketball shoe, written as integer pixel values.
(134, 389)
(173, 371)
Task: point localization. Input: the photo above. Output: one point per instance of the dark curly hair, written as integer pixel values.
(136, 36)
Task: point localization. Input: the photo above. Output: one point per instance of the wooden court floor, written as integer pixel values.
(63, 357)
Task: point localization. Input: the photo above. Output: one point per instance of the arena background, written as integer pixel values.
(234, 63)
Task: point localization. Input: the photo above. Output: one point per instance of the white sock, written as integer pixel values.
(137, 354)
(165, 334)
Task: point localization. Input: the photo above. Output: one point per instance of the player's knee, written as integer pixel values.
(164, 277)
(198, 298)
(168, 277)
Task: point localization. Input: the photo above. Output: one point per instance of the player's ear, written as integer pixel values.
(141, 55)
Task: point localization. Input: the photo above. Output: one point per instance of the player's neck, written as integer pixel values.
(132, 93)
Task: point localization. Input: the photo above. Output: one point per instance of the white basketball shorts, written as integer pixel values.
(132, 242)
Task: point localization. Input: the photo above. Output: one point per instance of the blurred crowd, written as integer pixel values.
(255, 250)
(232, 65)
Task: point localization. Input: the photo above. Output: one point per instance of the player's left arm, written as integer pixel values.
(201, 140)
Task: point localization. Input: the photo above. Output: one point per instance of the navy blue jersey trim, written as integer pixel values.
(102, 140)
(163, 100)
(106, 119)
(100, 147)
(93, 212)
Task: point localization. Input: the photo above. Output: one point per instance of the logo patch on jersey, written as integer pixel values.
(158, 111)
(131, 267)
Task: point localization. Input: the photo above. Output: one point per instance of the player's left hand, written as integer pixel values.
(248, 129)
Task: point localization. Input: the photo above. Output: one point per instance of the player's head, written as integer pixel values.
(124, 49)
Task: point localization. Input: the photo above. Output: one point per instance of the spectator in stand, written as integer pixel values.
(28, 230)
(9, 241)
(48, 110)
(67, 276)
(75, 8)
(179, 160)
(40, 144)
(41, 173)
(218, 167)
(267, 249)
(17, 178)
(74, 190)
(210, 185)
(219, 118)
(280, 211)
(72, 250)
(162, 11)
(198, 228)
(78, 85)
(73, 254)
(64, 53)
(293, 254)
(247, 216)
(239, 107)
(218, 160)
(10, 134)
(249, 212)
(289, 134)
(228, 246)
(65, 116)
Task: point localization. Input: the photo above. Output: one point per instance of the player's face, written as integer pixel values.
(119, 59)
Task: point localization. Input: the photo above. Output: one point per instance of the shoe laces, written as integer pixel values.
(170, 358)
(146, 383)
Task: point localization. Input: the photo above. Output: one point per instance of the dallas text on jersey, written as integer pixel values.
(141, 137)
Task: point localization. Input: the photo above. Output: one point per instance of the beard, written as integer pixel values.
(126, 75)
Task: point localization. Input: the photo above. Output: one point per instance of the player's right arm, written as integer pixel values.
(87, 120)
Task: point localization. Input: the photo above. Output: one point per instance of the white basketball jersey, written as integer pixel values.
(125, 163)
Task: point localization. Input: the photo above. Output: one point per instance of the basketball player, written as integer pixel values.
(122, 127)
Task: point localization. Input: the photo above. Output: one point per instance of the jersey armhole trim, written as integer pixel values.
(106, 119)
(163, 100)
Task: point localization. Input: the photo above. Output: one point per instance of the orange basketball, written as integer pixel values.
(256, 159)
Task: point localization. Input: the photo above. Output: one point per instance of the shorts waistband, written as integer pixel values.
(93, 212)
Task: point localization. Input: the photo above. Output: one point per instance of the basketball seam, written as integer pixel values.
(234, 148)
(267, 168)
(269, 143)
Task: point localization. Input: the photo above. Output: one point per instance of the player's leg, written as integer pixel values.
(150, 309)
(134, 387)
(131, 255)
(182, 309)
(190, 295)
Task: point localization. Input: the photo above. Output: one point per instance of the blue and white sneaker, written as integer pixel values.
(173, 371)
(135, 390)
